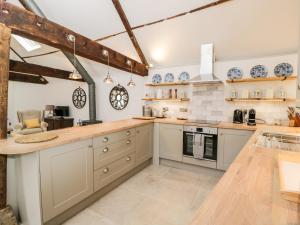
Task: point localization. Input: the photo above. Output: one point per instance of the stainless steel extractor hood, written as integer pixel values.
(206, 76)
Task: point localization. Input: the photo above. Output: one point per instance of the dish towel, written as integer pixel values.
(197, 149)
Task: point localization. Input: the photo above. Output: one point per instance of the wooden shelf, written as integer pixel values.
(260, 100)
(167, 84)
(262, 79)
(167, 99)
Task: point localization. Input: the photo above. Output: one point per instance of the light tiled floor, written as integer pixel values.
(155, 196)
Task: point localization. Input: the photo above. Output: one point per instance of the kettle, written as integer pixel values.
(238, 116)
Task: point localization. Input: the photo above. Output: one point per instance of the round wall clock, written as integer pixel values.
(79, 98)
(118, 97)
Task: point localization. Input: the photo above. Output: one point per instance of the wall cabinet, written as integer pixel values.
(170, 141)
(230, 143)
(66, 177)
(144, 143)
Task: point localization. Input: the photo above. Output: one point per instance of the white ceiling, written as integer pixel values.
(240, 28)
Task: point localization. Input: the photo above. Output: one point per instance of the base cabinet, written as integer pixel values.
(170, 141)
(66, 177)
(144, 143)
(230, 143)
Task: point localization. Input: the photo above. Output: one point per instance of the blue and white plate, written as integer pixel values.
(156, 79)
(169, 78)
(283, 70)
(184, 76)
(234, 73)
(259, 71)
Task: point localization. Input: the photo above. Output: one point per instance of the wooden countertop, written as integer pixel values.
(69, 135)
(248, 193)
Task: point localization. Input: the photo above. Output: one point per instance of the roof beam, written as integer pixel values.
(33, 69)
(29, 25)
(129, 31)
(26, 78)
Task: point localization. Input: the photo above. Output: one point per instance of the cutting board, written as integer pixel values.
(289, 175)
(143, 118)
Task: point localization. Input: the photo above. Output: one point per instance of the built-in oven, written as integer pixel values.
(200, 142)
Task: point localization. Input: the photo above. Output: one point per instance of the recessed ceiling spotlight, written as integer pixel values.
(158, 54)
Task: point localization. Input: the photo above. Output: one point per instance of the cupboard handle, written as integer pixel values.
(106, 170)
(128, 142)
(90, 146)
(105, 150)
(128, 133)
(128, 158)
(105, 139)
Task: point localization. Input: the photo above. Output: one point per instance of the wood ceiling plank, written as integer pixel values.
(129, 31)
(29, 25)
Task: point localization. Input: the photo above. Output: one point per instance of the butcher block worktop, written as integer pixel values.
(248, 193)
(69, 135)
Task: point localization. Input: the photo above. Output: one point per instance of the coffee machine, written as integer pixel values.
(239, 116)
(251, 117)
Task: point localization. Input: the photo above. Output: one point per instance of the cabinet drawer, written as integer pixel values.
(113, 171)
(114, 137)
(109, 153)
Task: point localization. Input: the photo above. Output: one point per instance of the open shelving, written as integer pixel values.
(294, 77)
(260, 99)
(167, 84)
(167, 99)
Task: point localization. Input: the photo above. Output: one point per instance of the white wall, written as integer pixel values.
(210, 104)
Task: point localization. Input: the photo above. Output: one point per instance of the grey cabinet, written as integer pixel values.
(144, 143)
(66, 177)
(170, 141)
(230, 143)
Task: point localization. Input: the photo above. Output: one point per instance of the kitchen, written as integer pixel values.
(210, 136)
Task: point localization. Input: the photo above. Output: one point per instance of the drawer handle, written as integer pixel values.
(128, 142)
(128, 158)
(105, 150)
(90, 146)
(106, 170)
(128, 133)
(105, 139)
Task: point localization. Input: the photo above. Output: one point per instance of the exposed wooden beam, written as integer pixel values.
(212, 4)
(129, 31)
(5, 34)
(33, 69)
(29, 25)
(27, 78)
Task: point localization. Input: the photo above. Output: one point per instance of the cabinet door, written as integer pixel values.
(144, 143)
(66, 177)
(170, 141)
(230, 143)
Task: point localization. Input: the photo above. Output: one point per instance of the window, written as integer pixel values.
(29, 45)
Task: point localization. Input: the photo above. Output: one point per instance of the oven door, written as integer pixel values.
(188, 142)
(210, 146)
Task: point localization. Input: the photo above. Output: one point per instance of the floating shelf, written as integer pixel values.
(260, 100)
(167, 99)
(167, 84)
(262, 79)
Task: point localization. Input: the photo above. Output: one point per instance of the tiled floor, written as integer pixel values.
(155, 196)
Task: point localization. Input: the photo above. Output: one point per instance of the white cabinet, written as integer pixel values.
(170, 141)
(144, 143)
(230, 143)
(66, 177)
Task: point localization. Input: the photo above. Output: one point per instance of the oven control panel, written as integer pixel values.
(204, 130)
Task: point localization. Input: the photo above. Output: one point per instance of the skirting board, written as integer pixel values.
(96, 196)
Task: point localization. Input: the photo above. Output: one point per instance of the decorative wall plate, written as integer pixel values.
(169, 78)
(259, 71)
(234, 73)
(184, 76)
(283, 70)
(118, 97)
(156, 79)
(79, 98)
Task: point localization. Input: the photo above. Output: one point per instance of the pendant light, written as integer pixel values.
(131, 82)
(74, 75)
(107, 79)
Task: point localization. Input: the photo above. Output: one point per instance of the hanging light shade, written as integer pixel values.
(107, 79)
(74, 75)
(131, 82)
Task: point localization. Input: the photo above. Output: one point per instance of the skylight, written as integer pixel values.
(29, 45)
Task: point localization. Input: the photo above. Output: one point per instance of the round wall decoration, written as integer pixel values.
(79, 98)
(118, 97)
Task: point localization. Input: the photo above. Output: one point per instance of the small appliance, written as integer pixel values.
(239, 116)
(251, 117)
